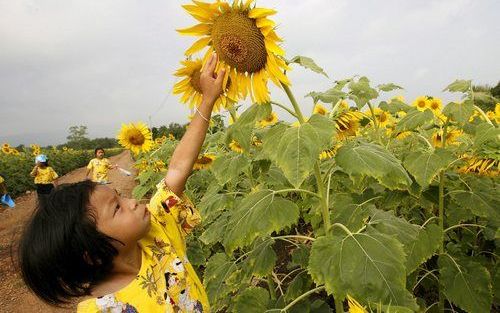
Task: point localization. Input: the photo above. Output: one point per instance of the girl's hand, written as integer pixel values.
(211, 83)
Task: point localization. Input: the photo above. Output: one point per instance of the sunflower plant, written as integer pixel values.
(366, 204)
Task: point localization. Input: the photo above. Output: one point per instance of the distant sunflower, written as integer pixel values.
(451, 137)
(204, 162)
(384, 118)
(135, 137)
(190, 87)
(421, 103)
(320, 109)
(245, 41)
(268, 121)
(6, 149)
(436, 105)
(235, 146)
(328, 153)
(354, 306)
(347, 124)
(5, 145)
(13, 151)
(482, 166)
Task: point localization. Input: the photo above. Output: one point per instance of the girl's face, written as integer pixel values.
(120, 218)
(99, 154)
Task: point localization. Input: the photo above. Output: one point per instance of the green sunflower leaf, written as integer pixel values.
(252, 300)
(425, 246)
(368, 159)
(389, 87)
(459, 86)
(297, 152)
(261, 260)
(362, 92)
(241, 130)
(219, 269)
(228, 167)
(367, 265)
(414, 119)
(466, 283)
(330, 96)
(258, 214)
(309, 64)
(459, 112)
(425, 165)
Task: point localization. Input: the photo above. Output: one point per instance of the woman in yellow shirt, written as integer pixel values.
(4, 196)
(45, 176)
(124, 256)
(99, 167)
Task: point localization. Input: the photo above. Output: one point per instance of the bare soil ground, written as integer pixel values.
(14, 295)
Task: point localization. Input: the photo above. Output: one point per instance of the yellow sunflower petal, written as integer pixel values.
(261, 12)
(198, 45)
(196, 30)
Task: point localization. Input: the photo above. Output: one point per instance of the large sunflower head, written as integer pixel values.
(190, 87)
(481, 166)
(384, 118)
(135, 137)
(245, 41)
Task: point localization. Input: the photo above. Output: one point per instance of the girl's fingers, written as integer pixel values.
(210, 66)
(220, 77)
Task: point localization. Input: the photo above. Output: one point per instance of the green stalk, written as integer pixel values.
(232, 111)
(272, 289)
(339, 307)
(302, 297)
(441, 213)
(375, 121)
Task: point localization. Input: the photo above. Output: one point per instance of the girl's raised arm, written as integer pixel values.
(184, 156)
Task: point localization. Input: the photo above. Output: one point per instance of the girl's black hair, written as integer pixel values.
(97, 149)
(46, 163)
(61, 253)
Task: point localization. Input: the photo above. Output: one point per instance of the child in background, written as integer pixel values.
(4, 196)
(87, 240)
(99, 167)
(45, 176)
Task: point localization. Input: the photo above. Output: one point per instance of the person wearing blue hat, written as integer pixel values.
(44, 176)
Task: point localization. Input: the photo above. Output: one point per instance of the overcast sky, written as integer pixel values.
(103, 62)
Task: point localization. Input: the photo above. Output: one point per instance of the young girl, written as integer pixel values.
(45, 176)
(99, 167)
(125, 256)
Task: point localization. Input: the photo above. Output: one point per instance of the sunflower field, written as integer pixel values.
(363, 205)
(15, 165)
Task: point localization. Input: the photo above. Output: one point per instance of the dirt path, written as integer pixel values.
(14, 296)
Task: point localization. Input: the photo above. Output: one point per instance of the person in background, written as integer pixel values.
(99, 167)
(4, 196)
(45, 177)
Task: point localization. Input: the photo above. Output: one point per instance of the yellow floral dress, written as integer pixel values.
(100, 168)
(45, 175)
(166, 281)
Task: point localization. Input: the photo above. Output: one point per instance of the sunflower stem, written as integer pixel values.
(375, 121)
(284, 108)
(232, 112)
(441, 214)
(317, 172)
(339, 306)
(294, 103)
(302, 297)
(483, 114)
